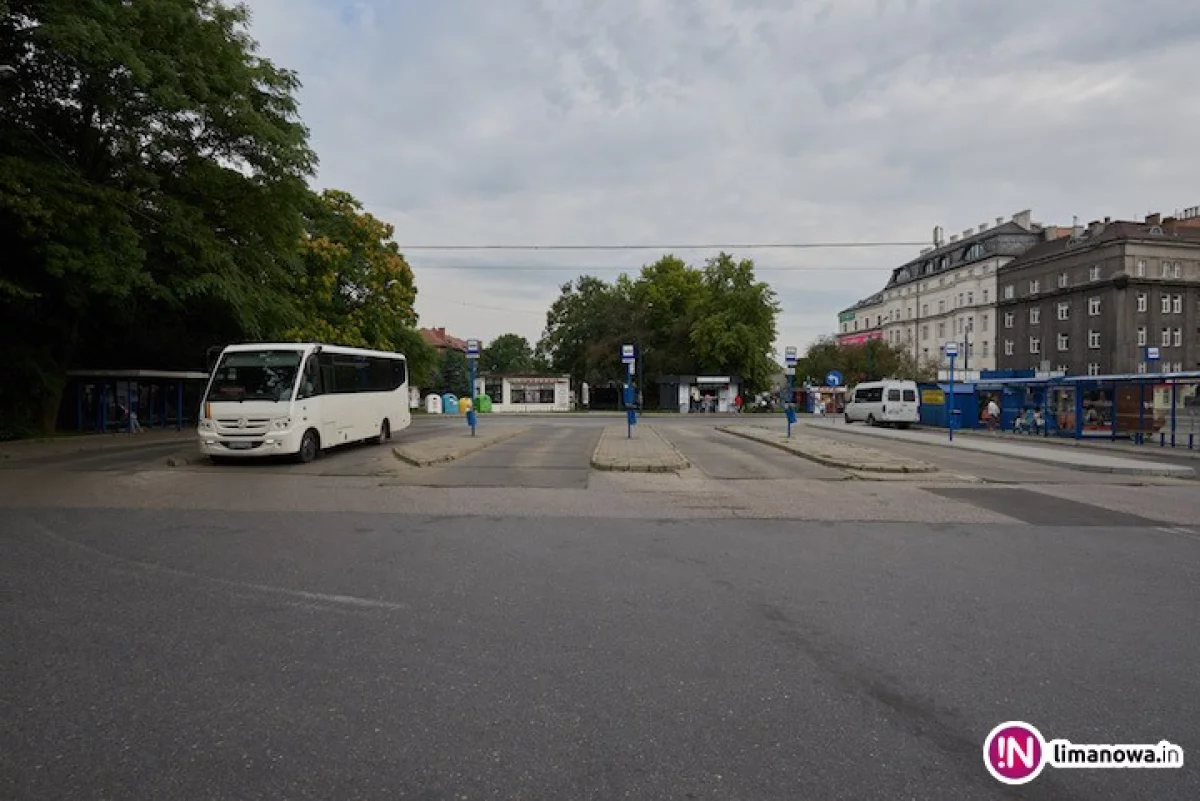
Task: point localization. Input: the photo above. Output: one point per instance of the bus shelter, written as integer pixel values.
(1139, 407)
(94, 399)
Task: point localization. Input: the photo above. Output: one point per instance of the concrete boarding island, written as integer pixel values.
(648, 451)
(828, 452)
(1043, 453)
(439, 450)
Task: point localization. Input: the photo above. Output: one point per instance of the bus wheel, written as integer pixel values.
(310, 447)
(385, 432)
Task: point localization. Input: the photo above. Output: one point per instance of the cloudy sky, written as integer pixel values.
(688, 122)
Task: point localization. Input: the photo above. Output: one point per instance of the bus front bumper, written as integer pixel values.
(274, 443)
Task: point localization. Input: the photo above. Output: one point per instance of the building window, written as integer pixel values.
(494, 389)
(941, 330)
(1177, 304)
(1166, 304)
(1064, 342)
(908, 313)
(1009, 318)
(1008, 347)
(1034, 287)
(878, 320)
(983, 322)
(1035, 316)
(1064, 311)
(1178, 274)
(1141, 334)
(1093, 307)
(958, 326)
(1165, 341)
(1094, 340)
(1141, 268)
(984, 346)
(532, 394)
(1009, 292)
(960, 298)
(1141, 368)
(941, 307)
(1064, 369)
(1035, 345)
(1063, 280)
(985, 296)
(1177, 340)
(1141, 301)
(925, 332)
(1093, 368)
(1166, 269)
(970, 298)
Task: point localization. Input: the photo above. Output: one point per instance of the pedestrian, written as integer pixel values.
(993, 415)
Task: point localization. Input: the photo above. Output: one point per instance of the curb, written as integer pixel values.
(466, 451)
(1159, 471)
(827, 462)
(681, 461)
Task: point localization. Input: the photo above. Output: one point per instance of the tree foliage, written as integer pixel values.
(717, 318)
(151, 171)
(354, 287)
(875, 359)
(507, 353)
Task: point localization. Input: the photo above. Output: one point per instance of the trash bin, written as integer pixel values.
(484, 403)
(433, 404)
(464, 405)
(450, 403)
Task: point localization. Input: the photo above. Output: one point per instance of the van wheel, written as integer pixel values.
(310, 447)
(902, 426)
(847, 419)
(870, 419)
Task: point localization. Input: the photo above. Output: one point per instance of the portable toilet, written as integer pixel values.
(485, 404)
(464, 405)
(450, 403)
(433, 403)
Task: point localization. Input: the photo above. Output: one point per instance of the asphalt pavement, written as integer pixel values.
(516, 625)
(347, 655)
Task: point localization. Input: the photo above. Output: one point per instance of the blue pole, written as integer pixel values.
(179, 405)
(1174, 403)
(474, 415)
(1141, 436)
(950, 421)
(787, 407)
(628, 408)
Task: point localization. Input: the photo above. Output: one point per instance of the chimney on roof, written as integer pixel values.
(982, 227)
(1095, 227)
(1107, 220)
(999, 221)
(1076, 228)
(1153, 219)
(953, 237)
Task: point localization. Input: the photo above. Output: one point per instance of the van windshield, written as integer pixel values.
(255, 375)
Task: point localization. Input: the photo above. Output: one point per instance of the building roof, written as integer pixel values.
(1099, 233)
(439, 339)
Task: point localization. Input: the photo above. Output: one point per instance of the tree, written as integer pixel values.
(507, 353)
(735, 327)
(584, 328)
(873, 360)
(355, 287)
(453, 373)
(152, 172)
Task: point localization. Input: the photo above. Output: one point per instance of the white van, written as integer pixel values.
(885, 402)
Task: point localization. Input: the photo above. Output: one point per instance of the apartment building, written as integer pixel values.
(948, 294)
(862, 322)
(1092, 302)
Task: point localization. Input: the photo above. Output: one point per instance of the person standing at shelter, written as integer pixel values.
(993, 415)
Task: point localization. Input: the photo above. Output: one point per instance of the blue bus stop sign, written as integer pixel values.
(833, 379)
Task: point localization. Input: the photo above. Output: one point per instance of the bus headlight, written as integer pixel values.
(206, 425)
(282, 424)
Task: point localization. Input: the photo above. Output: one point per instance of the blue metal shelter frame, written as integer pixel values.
(1116, 408)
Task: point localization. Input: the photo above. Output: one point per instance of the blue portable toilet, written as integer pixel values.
(449, 403)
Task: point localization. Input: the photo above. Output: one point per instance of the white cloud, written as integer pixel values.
(695, 121)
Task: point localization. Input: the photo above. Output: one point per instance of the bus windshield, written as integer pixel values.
(268, 375)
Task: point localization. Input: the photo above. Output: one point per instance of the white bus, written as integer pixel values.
(298, 399)
(885, 402)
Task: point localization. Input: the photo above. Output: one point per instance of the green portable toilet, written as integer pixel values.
(483, 403)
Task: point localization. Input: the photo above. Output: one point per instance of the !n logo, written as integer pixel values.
(1014, 752)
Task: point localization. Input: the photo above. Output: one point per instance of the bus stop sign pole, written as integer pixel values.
(952, 352)
(628, 357)
(789, 408)
(472, 361)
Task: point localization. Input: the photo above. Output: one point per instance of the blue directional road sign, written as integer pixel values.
(833, 379)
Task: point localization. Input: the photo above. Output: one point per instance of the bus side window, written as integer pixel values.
(310, 383)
